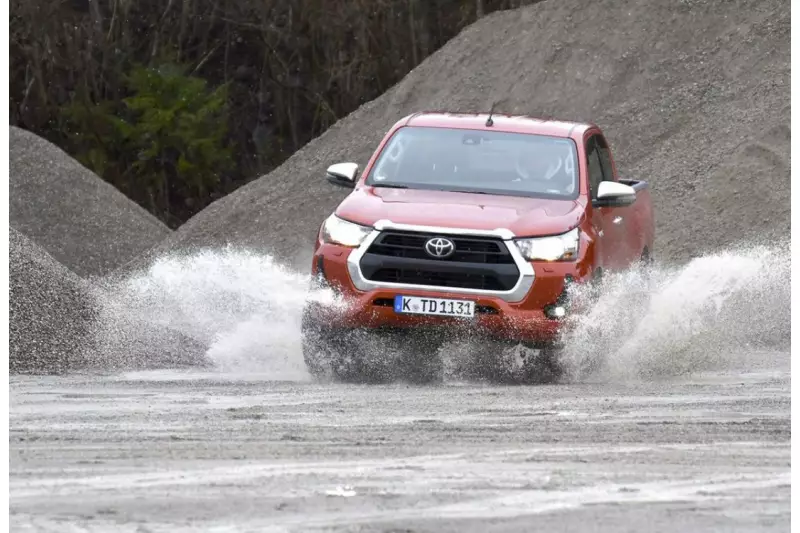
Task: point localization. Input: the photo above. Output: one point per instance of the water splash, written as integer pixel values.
(239, 312)
(658, 320)
(236, 310)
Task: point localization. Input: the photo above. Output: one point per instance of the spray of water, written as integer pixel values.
(657, 320)
(239, 312)
(233, 310)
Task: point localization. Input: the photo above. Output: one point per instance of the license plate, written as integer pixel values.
(418, 305)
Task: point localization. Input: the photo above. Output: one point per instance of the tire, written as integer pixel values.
(341, 355)
(647, 257)
(319, 352)
(329, 354)
(543, 365)
(364, 356)
(596, 283)
(646, 263)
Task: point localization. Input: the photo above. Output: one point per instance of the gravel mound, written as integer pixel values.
(60, 322)
(693, 95)
(51, 311)
(82, 221)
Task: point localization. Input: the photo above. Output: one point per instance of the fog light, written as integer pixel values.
(555, 311)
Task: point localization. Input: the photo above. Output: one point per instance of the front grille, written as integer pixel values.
(439, 279)
(481, 263)
(468, 249)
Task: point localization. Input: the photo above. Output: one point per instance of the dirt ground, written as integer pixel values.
(170, 451)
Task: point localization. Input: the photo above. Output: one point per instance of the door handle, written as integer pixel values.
(617, 220)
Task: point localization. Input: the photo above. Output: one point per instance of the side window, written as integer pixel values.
(605, 158)
(595, 169)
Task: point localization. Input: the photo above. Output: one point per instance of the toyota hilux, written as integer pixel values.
(470, 224)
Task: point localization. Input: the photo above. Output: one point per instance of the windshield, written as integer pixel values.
(488, 162)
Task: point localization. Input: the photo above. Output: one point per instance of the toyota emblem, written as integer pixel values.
(440, 248)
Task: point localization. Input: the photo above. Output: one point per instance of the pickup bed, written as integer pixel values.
(469, 225)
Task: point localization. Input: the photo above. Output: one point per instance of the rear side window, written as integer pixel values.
(595, 168)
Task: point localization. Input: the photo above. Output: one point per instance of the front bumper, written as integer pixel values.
(372, 307)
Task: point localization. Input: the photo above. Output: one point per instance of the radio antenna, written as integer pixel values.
(489, 121)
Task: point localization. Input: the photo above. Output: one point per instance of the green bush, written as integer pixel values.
(164, 144)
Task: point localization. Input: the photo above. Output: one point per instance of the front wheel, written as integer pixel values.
(543, 365)
(363, 356)
(342, 355)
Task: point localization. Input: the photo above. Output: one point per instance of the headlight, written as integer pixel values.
(336, 230)
(556, 248)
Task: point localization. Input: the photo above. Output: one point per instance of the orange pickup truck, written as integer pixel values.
(469, 224)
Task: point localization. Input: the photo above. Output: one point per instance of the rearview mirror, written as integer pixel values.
(614, 194)
(343, 174)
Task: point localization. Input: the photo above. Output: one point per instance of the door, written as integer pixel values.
(609, 222)
(626, 251)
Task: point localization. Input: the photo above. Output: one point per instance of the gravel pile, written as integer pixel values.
(51, 311)
(694, 96)
(82, 221)
(60, 322)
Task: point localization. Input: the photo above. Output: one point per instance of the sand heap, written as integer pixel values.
(82, 221)
(51, 311)
(694, 97)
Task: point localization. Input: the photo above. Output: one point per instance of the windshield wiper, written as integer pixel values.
(468, 191)
(390, 185)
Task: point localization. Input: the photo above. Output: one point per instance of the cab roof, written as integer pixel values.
(500, 122)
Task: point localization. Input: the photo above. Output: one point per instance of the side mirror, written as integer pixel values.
(614, 194)
(343, 174)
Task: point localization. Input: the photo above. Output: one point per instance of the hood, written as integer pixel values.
(523, 216)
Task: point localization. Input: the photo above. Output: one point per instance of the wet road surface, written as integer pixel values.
(167, 452)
